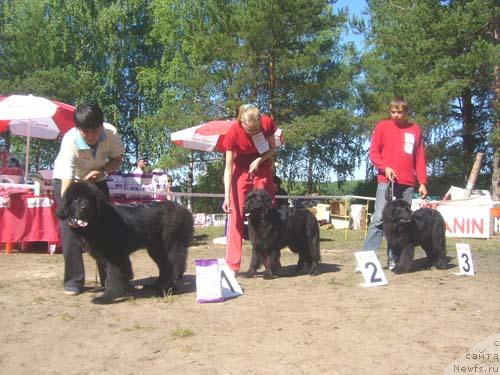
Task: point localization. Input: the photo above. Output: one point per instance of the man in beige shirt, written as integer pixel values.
(89, 152)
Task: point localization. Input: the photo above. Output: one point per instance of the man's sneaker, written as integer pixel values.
(72, 291)
(391, 264)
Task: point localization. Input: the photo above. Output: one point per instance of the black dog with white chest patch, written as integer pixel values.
(272, 229)
(111, 232)
(404, 230)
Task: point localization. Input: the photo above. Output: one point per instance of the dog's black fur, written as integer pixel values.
(111, 232)
(404, 230)
(272, 229)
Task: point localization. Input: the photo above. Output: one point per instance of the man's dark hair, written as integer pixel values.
(88, 116)
(13, 163)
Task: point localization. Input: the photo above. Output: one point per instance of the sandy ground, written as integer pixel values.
(418, 324)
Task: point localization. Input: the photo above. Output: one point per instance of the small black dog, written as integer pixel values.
(272, 229)
(404, 230)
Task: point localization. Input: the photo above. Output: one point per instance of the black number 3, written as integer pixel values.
(466, 269)
(373, 279)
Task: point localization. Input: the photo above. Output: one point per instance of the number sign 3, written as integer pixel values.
(464, 257)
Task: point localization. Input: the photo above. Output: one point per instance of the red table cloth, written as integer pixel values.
(28, 218)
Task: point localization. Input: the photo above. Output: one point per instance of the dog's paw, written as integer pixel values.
(442, 264)
(268, 276)
(248, 274)
(314, 272)
(102, 300)
(314, 267)
(152, 287)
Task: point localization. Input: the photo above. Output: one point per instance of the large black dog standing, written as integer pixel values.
(272, 229)
(111, 232)
(404, 230)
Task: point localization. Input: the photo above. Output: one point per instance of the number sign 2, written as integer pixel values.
(464, 257)
(370, 268)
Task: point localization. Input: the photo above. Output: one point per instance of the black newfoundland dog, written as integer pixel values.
(111, 232)
(272, 229)
(404, 230)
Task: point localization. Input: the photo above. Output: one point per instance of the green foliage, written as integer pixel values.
(282, 55)
(440, 56)
(210, 180)
(164, 65)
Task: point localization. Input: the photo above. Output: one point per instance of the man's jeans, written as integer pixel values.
(375, 229)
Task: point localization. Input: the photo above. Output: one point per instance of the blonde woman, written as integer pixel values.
(249, 145)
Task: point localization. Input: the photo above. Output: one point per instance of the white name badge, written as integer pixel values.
(409, 142)
(464, 256)
(260, 142)
(370, 268)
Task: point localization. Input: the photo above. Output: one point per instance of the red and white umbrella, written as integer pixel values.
(210, 136)
(34, 116)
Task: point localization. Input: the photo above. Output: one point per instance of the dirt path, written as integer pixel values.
(418, 324)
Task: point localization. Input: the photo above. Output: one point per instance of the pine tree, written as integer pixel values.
(439, 55)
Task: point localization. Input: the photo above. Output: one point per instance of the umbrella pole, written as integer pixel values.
(190, 180)
(26, 162)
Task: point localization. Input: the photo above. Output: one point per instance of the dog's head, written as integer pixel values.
(258, 203)
(80, 204)
(419, 219)
(397, 213)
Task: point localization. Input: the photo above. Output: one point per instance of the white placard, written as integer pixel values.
(230, 286)
(39, 202)
(464, 257)
(215, 282)
(4, 202)
(370, 268)
(466, 220)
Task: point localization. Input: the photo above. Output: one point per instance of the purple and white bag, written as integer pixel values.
(215, 282)
(208, 281)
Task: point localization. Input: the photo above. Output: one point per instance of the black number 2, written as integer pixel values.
(373, 279)
(466, 269)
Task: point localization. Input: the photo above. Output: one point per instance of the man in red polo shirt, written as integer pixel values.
(397, 151)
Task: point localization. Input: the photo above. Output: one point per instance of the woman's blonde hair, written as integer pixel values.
(249, 115)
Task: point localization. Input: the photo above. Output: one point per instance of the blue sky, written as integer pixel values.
(356, 7)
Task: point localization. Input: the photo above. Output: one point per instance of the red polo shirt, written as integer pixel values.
(238, 141)
(400, 147)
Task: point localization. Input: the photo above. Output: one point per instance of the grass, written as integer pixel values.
(168, 296)
(204, 236)
(330, 238)
(351, 239)
(182, 332)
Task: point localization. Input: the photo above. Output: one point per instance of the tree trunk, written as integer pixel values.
(468, 131)
(310, 164)
(495, 178)
(272, 84)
